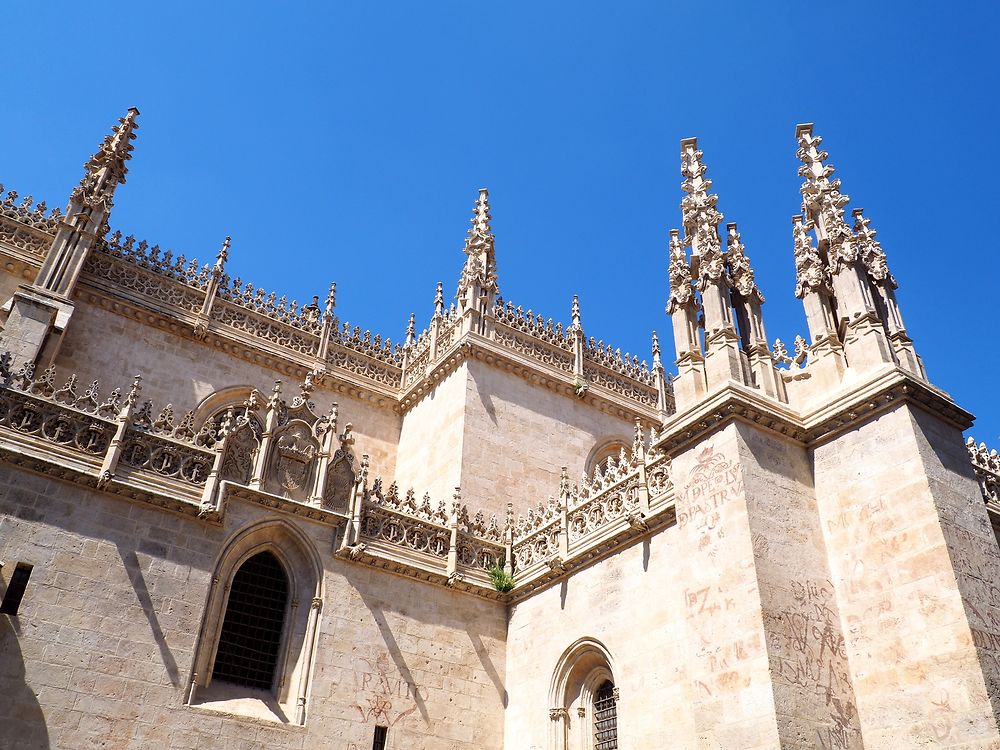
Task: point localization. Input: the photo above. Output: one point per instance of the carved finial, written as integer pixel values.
(656, 351)
(681, 290)
(575, 314)
(106, 169)
(563, 482)
(480, 263)
(700, 216)
(411, 329)
(870, 250)
(331, 299)
(439, 300)
(307, 386)
(810, 271)
(311, 311)
(740, 272)
(223, 256)
(133, 392)
(275, 399)
(822, 202)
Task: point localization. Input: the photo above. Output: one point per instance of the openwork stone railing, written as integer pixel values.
(204, 298)
(986, 462)
(178, 283)
(78, 420)
(119, 441)
(29, 229)
(530, 335)
(625, 497)
(426, 539)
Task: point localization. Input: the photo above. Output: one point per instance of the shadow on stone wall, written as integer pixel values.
(487, 662)
(22, 724)
(131, 562)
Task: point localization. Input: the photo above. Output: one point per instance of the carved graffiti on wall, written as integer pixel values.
(809, 653)
(382, 696)
(712, 483)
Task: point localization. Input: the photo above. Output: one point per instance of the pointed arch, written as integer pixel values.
(302, 566)
(584, 669)
(604, 450)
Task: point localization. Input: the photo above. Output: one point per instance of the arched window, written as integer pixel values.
(584, 713)
(600, 455)
(250, 639)
(606, 717)
(255, 650)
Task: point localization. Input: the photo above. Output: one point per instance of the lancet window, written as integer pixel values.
(254, 652)
(251, 634)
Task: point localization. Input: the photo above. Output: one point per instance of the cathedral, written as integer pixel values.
(232, 521)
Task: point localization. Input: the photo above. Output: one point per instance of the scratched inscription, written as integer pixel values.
(713, 482)
(382, 697)
(809, 654)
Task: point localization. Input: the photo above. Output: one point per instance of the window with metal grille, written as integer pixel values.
(251, 629)
(605, 717)
(381, 734)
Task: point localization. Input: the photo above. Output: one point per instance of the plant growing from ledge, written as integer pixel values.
(501, 580)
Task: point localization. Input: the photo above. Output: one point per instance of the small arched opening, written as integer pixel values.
(584, 713)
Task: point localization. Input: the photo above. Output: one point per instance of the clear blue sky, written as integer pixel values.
(346, 141)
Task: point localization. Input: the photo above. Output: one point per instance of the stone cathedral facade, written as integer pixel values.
(231, 521)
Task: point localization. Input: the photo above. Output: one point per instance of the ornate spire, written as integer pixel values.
(740, 271)
(575, 314)
(107, 168)
(331, 299)
(411, 328)
(870, 250)
(657, 362)
(822, 202)
(222, 257)
(681, 290)
(810, 272)
(700, 216)
(439, 300)
(480, 264)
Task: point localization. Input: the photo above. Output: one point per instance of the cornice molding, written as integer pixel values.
(480, 348)
(857, 403)
(290, 364)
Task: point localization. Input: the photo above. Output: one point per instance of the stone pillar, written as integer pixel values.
(767, 660)
(683, 307)
(36, 323)
(37, 314)
(916, 568)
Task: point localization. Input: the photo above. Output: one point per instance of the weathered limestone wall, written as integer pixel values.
(733, 704)
(519, 435)
(175, 370)
(101, 653)
(915, 568)
(634, 602)
(813, 695)
(9, 281)
(429, 458)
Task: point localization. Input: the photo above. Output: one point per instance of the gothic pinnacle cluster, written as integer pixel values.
(89, 206)
(479, 276)
(842, 278)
